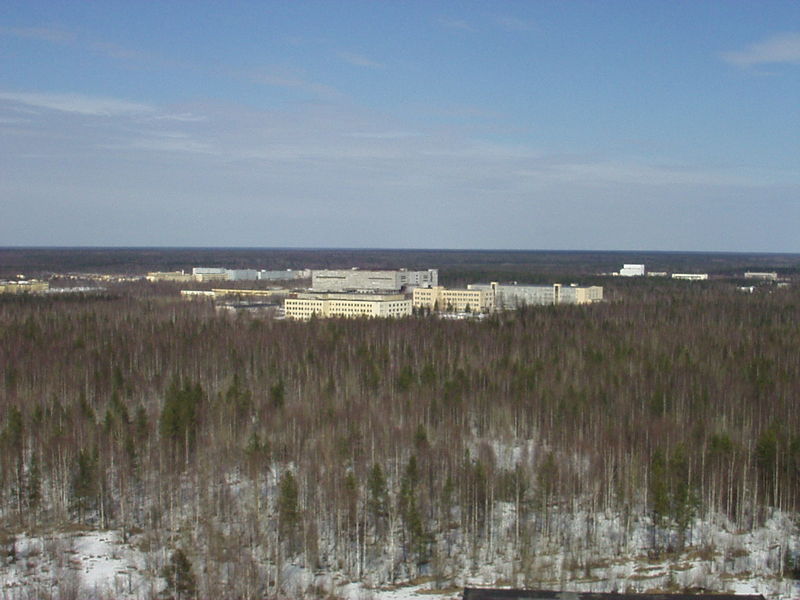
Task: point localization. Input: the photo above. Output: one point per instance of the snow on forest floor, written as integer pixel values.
(98, 564)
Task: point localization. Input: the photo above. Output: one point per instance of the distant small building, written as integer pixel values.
(169, 276)
(764, 276)
(690, 276)
(27, 286)
(632, 270)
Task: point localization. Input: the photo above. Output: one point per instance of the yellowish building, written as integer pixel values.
(23, 287)
(169, 276)
(304, 306)
(441, 298)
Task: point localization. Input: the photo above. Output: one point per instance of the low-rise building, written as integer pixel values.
(353, 305)
(169, 276)
(443, 299)
(24, 287)
(764, 276)
(632, 270)
(690, 276)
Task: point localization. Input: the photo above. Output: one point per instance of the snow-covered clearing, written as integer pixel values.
(98, 564)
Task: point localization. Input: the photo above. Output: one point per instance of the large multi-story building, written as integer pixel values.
(344, 280)
(325, 305)
(511, 296)
(443, 299)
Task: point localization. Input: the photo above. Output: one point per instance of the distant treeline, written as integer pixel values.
(499, 265)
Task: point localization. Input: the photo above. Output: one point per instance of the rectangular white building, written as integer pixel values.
(632, 270)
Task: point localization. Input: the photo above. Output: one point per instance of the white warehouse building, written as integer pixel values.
(632, 270)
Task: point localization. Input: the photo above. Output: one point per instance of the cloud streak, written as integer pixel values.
(780, 48)
(77, 103)
(54, 35)
(514, 24)
(359, 60)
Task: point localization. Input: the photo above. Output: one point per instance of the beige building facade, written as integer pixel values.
(385, 306)
(23, 287)
(488, 297)
(441, 298)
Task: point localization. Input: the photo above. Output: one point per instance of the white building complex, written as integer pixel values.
(512, 295)
(325, 305)
(357, 280)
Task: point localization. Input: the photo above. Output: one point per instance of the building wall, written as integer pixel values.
(511, 296)
(169, 276)
(632, 270)
(691, 276)
(771, 276)
(438, 297)
(24, 287)
(287, 274)
(208, 271)
(347, 305)
(573, 294)
(355, 279)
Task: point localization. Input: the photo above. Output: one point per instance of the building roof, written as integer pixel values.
(511, 594)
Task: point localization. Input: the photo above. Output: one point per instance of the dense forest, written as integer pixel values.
(388, 449)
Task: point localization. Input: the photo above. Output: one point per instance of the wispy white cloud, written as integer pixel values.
(171, 144)
(359, 60)
(53, 34)
(291, 80)
(385, 135)
(183, 117)
(514, 24)
(76, 103)
(780, 48)
(457, 24)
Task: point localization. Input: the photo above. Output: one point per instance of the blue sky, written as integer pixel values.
(534, 125)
